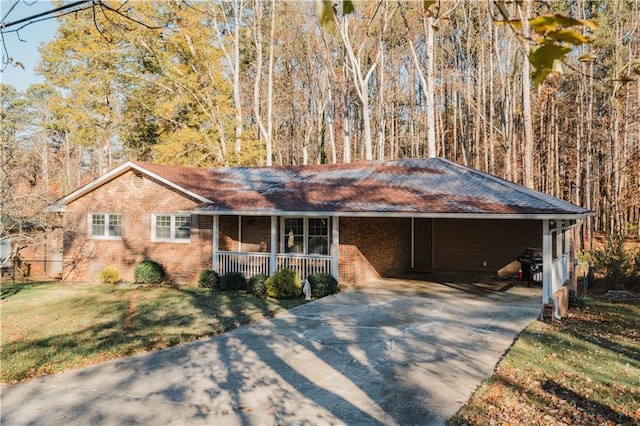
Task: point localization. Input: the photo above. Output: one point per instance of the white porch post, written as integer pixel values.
(560, 253)
(335, 246)
(273, 246)
(546, 261)
(215, 242)
(566, 254)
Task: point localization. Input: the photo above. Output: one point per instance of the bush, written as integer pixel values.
(284, 284)
(617, 266)
(148, 272)
(233, 281)
(109, 275)
(323, 285)
(257, 284)
(209, 279)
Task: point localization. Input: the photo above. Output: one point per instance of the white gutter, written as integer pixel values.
(534, 216)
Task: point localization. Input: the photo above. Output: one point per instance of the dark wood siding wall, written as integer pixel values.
(464, 244)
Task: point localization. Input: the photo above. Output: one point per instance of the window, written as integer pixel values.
(105, 225)
(168, 227)
(306, 235)
(318, 236)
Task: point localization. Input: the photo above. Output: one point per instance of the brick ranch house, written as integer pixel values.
(356, 221)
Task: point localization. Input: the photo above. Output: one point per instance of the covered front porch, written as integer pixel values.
(253, 245)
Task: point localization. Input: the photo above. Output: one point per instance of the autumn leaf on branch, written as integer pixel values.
(326, 12)
(554, 37)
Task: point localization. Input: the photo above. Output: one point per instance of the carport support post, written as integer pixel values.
(273, 246)
(546, 261)
(547, 264)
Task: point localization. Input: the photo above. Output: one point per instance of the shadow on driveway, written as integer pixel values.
(393, 352)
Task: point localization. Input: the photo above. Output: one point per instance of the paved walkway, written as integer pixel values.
(411, 355)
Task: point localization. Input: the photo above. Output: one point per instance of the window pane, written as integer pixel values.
(295, 225)
(294, 235)
(294, 244)
(183, 227)
(115, 230)
(163, 227)
(97, 224)
(318, 227)
(319, 245)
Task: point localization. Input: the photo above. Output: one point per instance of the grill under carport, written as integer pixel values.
(531, 269)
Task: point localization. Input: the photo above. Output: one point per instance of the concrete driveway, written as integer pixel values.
(395, 352)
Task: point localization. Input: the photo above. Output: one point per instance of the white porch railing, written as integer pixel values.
(304, 265)
(250, 264)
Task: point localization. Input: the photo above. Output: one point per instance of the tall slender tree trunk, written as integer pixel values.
(526, 100)
(429, 88)
(237, 100)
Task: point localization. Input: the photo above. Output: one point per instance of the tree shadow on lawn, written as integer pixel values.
(8, 289)
(106, 338)
(587, 405)
(232, 309)
(545, 397)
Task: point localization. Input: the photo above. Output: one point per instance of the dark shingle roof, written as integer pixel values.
(411, 186)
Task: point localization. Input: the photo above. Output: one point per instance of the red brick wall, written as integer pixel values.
(373, 248)
(135, 198)
(228, 226)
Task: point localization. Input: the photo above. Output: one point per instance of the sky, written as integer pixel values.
(25, 51)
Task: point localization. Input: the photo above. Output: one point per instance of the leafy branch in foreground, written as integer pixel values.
(555, 35)
(554, 38)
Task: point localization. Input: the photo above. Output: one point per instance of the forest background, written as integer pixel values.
(256, 82)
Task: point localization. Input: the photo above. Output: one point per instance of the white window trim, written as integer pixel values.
(172, 238)
(106, 226)
(305, 235)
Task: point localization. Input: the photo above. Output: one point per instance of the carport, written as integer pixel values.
(490, 244)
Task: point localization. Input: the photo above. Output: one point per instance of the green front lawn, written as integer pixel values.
(584, 370)
(48, 327)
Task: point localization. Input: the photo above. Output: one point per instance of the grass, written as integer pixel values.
(584, 370)
(52, 327)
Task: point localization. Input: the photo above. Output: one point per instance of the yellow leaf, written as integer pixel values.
(347, 7)
(587, 57)
(568, 36)
(547, 58)
(326, 14)
(426, 4)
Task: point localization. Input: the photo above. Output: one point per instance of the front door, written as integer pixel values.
(423, 243)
